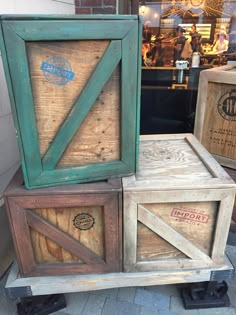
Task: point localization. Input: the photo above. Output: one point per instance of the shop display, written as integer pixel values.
(76, 119)
(161, 214)
(177, 207)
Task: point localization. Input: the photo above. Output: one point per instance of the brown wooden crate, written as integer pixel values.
(75, 229)
(216, 113)
(177, 208)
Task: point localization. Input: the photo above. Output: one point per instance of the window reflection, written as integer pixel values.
(175, 30)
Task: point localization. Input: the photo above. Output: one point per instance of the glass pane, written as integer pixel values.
(180, 39)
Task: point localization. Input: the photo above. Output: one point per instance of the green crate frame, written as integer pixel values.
(125, 47)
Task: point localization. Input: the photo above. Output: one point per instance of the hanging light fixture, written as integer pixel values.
(143, 6)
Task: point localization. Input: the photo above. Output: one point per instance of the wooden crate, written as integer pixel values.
(177, 208)
(73, 229)
(215, 123)
(74, 84)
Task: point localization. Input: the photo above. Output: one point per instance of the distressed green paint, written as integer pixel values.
(139, 72)
(18, 64)
(82, 174)
(69, 30)
(83, 104)
(129, 97)
(13, 106)
(68, 17)
(124, 34)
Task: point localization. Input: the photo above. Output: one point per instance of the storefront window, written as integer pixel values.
(174, 30)
(181, 38)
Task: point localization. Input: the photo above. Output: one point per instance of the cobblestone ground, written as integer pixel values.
(155, 300)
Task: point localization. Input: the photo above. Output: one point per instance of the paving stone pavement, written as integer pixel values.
(153, 300)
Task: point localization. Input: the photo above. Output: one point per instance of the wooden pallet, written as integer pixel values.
(18, 286)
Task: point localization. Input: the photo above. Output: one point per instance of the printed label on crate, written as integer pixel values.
(227, 105)
(57, 70)
(191, 216)
(83, 221)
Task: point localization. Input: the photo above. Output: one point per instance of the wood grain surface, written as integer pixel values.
(98, 138)
(219, 135)
(170, 158)
(47, 251)
(152, 246)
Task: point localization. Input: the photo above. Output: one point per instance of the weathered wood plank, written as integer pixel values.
(77, 283)
(165, 231)
(68, 17)
(21, 236)
(130, 238)
(69, 30)
(223, 224)
(26, 115)
(129, 135)
(215, 114)
(62, 239)
(83, 104)
(98, 137)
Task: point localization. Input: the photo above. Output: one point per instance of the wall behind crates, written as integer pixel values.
(9, 155)
(96, 6)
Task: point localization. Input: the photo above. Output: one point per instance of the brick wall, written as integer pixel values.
(95, 6)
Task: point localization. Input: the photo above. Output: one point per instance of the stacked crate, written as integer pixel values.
(74, 85)
(74, 88)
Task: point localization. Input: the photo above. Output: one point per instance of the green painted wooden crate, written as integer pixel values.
(74, 84)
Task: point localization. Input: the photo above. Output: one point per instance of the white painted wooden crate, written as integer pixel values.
(177, 208)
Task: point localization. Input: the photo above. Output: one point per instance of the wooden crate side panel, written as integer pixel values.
(195, 221)
(64, 254)
(63, 218)
(98, 138)
(150, 246)
(83, 104)
(53, 101)
(15, 46)
(219, 133)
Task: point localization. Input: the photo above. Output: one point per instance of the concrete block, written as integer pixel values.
(217, 311)
(176, 306)
(94, 305)
(114, 307)
(144, 310)
(164, 289)
(154, 300)
(76, 302)
(126, 294)
(111, 293)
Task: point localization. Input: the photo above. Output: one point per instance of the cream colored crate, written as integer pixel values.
(215, 123)
(177, 208)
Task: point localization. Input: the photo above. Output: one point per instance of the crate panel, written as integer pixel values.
(195, 221)
(66, 230)
(220, 117)
(65, 220)
(216, 113)
(150, 246)
(97, 139)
